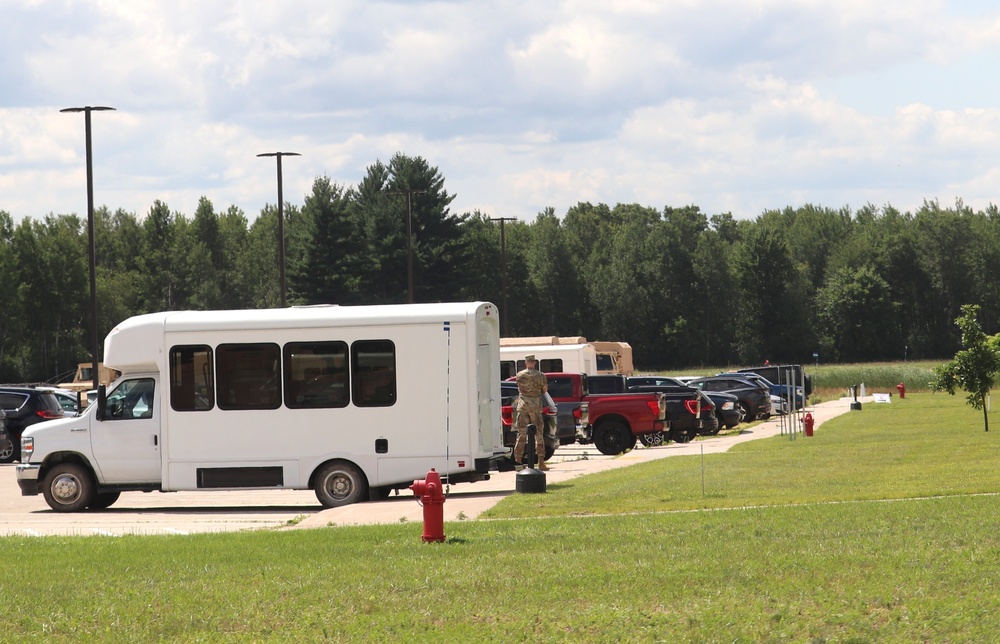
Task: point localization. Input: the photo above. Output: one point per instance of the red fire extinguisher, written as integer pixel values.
(430, 495)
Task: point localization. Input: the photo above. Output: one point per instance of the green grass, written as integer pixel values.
(883, 527)
(925, 445)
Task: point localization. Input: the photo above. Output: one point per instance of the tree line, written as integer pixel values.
(682, 287)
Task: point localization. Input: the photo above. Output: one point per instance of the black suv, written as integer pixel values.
(755, 398)
(24, 406)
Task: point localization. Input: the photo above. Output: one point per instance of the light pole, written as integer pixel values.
(281, 220)
(90, 228)
(409, 238)
(503, 263)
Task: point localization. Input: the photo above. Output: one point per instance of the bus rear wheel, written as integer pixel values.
(339, 483)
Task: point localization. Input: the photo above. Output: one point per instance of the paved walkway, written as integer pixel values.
(468, 500)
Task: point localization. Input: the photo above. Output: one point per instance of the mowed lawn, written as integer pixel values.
(883, 527)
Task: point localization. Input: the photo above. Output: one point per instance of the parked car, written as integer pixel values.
(781, 391)
(68, 400)
(779, 406)
(24, 406)
(726, 406)
(755, 398)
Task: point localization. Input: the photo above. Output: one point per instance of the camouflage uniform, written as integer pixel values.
(531, 384)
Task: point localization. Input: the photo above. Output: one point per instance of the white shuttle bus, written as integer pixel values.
(349, 401)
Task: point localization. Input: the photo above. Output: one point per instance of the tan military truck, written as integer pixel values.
(566, 354)
(83, 380)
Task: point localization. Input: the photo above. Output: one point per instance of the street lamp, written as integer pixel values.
(409, 238)
(281, 220)
(90, 227)
(503, 263)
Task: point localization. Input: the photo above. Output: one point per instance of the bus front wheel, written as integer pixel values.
(339, 483)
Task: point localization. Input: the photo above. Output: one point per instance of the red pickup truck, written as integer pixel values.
(615, 420)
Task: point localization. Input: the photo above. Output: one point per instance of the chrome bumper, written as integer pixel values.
(27, 479)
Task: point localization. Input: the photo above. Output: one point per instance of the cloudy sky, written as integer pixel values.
(733, 105)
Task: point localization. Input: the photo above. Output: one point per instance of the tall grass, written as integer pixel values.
(882, 527)
(834, 380)
(876, 376)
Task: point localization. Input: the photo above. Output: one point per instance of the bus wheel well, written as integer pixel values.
(63, 457)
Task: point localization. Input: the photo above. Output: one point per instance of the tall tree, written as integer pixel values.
(438, 249)
(158, 263)
(11, 320)
(329, 270)
(857, 316)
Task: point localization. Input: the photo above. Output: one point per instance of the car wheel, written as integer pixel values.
(549, 452)
(613, 437)
(680, 436)
(68, 488)
(747, 416)
(339, 483)
(104, 500)
(654, 439)
(7, 452)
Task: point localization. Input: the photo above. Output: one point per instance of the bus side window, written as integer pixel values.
(131, 399)
(315, 375)
(552, 365)
(373, 373)
(248, 375)
(191, 386)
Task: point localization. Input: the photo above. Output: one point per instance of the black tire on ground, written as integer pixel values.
(679, 436)
(613, 437)
(69, 487)
(8, 454)
(549, 452)
(747, 416)
(104, 500)
(654, 439)
(340, 483)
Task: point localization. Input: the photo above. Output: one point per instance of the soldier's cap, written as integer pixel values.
(530, 358)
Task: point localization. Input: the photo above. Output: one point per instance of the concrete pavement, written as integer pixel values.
(467, 501)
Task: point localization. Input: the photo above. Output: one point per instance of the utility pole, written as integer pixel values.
(503, 264)
(409, 237)
(90, 228)
(281, 220)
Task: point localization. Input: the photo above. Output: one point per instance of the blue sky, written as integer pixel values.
(733, 105)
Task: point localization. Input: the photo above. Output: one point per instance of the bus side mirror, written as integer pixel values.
(102, 402)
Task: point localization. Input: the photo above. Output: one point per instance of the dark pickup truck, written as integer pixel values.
(691, 412)
(616, 420)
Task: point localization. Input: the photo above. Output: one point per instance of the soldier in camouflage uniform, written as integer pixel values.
(531, 384)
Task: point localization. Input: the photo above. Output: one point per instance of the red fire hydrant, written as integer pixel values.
(430, 495)
(808, 422)
(901, 388)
